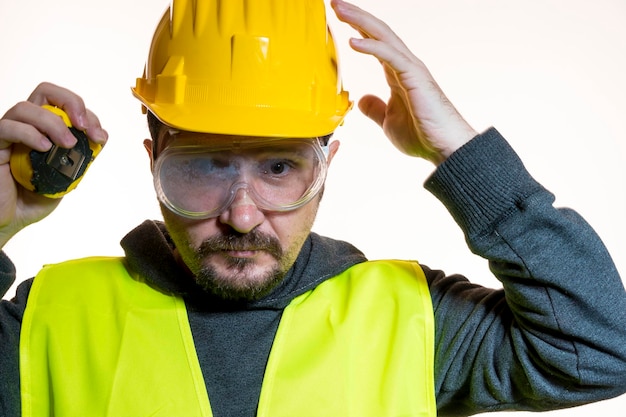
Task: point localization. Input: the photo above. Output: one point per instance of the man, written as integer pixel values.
(232, 307)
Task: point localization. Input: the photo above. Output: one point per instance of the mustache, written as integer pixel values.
(253, 240)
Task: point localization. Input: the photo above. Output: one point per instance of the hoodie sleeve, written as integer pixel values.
(11, 313)
(555, 335)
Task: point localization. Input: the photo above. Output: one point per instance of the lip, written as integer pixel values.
(249, 253)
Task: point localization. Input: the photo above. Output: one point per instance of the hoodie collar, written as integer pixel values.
(149, 254)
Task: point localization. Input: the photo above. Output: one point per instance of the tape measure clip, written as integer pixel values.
(67, 162)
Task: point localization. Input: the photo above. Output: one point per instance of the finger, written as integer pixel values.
(374, 108)
(94, 130)
(365, 23)
(68, 101)
(16, 132)
(378, 39)
(73, 105)
(31, 124)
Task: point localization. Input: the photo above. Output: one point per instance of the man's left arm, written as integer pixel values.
(558, 330)
(556, 336)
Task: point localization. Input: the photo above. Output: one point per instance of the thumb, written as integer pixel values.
(374, 108)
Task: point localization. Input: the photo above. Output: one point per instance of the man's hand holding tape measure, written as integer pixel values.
(46, 145)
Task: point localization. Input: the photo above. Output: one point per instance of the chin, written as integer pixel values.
(240, 281)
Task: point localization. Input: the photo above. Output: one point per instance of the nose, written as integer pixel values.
(242, 214)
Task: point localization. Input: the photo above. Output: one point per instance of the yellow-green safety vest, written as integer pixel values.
(98, 342)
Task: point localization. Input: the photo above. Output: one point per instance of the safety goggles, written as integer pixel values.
(201, 181)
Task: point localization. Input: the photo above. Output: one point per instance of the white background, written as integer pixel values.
(549, 74)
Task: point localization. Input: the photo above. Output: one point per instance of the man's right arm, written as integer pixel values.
(29, 124)
(11, 313)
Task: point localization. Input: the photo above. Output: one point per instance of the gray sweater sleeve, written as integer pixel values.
(11, 313)
(556, 335)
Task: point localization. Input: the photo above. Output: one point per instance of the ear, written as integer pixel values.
(147, 144)
(333, 147)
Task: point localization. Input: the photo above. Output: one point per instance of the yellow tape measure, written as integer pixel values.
(58, 171)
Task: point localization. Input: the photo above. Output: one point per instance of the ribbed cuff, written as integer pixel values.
(481, 183)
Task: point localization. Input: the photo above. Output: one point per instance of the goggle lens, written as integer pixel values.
(197, 181)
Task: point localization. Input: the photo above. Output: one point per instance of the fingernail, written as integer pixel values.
(45, 144)
(105, 135)
(99, 135)
(82, 121)
(70, 140)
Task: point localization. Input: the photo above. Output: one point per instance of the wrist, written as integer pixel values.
(456, 142)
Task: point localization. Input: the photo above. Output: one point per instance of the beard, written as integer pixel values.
(237, 279)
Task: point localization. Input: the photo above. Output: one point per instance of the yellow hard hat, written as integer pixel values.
(250, 68)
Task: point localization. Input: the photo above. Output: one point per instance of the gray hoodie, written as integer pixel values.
(553, 337)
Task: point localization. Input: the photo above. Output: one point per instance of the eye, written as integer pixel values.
(195, 168)
(283, 166)
(201, 167)
(278, 167)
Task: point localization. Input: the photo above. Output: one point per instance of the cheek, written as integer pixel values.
(292, 228)
(184, 232)
(197, 232)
